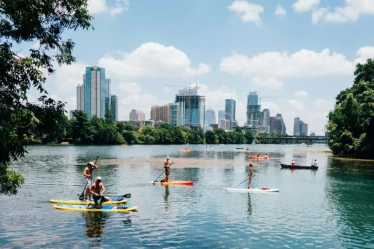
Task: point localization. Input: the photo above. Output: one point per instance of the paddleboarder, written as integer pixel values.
(88, 174)
(315, 163)
(250, 175)
(167, 165)
(97, 190)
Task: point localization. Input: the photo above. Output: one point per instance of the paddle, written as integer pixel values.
(158, 177)
(244, 181)
(128, 195)
(81, 197)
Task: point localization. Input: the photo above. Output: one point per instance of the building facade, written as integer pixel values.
(114, 107)
(191, 107)
(107, 96)
(277, 124)
(174, 114)
(80, 97)
(230, 109)
(94, 92)
(160, 113)
(210, 117)
(254, 115)
(300, 128)
(136, 115)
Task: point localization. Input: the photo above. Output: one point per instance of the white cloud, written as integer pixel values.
(323, 104)
(152, 60)
(305, 5)
(318, 14)
(101, 6)
(249, 12)
(280, 11)
(351, 11)
(279, 66)
(296, 105)
(268, 83)
(130, 88)
(301, 95)
(364, 53)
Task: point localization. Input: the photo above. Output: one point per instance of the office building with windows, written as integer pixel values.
(107, 96)
(160, 113)
(300, 128)
(114, 107)
(136, 115)
(277, 124)
(94, 92)
(230, 109)
(254, 115)
(174, 114)
(80, 97)
(210, 117)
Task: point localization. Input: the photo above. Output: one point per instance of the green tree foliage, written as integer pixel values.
(29, 21)
(352, 120)
(210, 138)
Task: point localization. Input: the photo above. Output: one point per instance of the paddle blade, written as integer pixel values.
(127, 195)
(81, 197)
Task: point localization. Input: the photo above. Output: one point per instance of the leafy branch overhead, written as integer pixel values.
(42, 21)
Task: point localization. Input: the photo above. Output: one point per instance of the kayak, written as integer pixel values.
(287, 166)
(258, 158)
(190, 183)
(115, 200)
(253, 190)
(107, 208)
(185, 150)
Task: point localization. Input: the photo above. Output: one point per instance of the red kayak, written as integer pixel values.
(189, 183)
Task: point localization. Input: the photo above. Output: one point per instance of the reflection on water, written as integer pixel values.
(328, 208)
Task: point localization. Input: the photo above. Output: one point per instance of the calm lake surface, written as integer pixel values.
(331, 208)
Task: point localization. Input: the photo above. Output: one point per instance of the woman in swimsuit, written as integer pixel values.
(250, 175)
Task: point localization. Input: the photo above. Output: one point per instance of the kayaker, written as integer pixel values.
(250, 175)
(258, 155)
(167, 165)
(266, 156)
(97, 190)
(88, 174)
(315, 163)
(293, 163)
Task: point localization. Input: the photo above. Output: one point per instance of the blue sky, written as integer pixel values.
(297, 54)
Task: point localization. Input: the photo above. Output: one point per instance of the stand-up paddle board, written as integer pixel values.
(190, 183)
(107, 208)
(252, 190)
(114, 200)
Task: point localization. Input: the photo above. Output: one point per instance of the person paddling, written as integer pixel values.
(315, 163)
(167, 165)
(293, 163)
(250, 175)
(88, 174)
(97, 190)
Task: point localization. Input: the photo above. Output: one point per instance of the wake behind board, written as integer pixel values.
(114, 200)
(189, 183)
(107, 208)
(253, 190)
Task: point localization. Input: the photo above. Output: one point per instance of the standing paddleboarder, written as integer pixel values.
(250, 175)
(167, 165)
(88, 174)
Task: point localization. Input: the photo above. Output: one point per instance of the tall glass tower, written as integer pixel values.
(254, 115)
(230, 108)
(114, 107)
(95, 92)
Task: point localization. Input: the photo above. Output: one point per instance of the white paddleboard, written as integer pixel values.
(253, 190)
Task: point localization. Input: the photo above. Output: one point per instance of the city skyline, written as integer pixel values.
(304, 53)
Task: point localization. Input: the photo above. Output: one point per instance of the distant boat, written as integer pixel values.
(288, 166)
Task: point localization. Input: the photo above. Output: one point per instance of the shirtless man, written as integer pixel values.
(97, 190)
(250, 175)
(88, 174)
(167, 165)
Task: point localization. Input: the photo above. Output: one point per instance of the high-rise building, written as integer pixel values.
(210, 117)
(136, 115)
(174, 114)
(277, 124)
(107, 96)
(114, 107)
(160, 113)
(254, 114)
(80, 97)
(266, 117)
(230, 108)
(221, 114)
(191, 107)
(300, 128)
(94, 92)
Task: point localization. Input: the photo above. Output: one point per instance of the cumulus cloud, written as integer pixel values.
(152, 60)
(268, 83)
(363, 54)
(101, 6)
(280, 11)
(296, 105)
(323, 104)
(302, 64)
(249, 12)
(318, 14)
(301, 95)
(301, 6)
(351, 11)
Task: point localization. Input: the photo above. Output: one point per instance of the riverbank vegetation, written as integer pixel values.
(351, 123)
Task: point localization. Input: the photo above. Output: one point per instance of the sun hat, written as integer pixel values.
(98, 178)
(91, 163)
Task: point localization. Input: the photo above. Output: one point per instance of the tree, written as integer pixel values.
(352, 120)
(210, 137)
(26, 21)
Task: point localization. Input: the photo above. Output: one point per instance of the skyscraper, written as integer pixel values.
(136, 115)
(277, 124)
(191, 107)
(174, 114)
(114, 107)
(160, 113)
(80, 97)
(94, 92)
(300, 128)
(210, 117)
(107, 96)
(221, 115)
(230, 109)
(266, 117)
(253, 110)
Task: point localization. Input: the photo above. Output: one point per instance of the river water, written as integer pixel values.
(330, 208)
